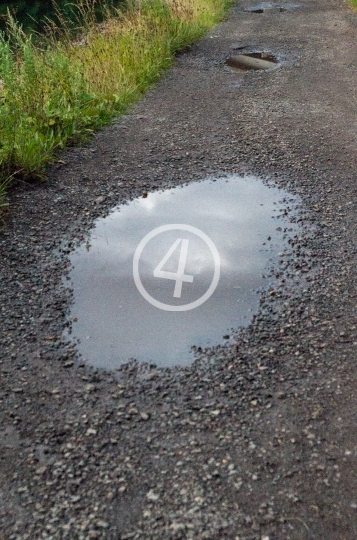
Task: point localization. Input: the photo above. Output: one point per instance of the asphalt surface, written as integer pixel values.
(253, 441)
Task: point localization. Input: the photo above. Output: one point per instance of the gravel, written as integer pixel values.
(256, 440)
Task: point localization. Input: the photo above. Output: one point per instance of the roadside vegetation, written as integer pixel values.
(56, 90)
(33, 14)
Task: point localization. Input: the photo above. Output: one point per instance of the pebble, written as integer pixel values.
(81, 449)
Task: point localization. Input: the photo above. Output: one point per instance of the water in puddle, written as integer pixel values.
(253, 61)
(175, 269)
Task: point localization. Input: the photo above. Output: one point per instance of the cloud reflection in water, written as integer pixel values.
(116, 323)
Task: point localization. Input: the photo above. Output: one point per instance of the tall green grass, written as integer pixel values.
(56, 91)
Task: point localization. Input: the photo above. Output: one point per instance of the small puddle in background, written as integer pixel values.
(253, 61)
(243, 219)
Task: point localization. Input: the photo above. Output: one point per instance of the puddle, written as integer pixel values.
(267, 6)
(253, 61)
(198, 254)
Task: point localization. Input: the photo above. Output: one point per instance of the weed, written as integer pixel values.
(56, 90)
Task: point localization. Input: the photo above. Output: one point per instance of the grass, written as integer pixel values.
(57, 90)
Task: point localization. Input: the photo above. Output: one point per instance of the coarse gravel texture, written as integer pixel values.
(254, 441)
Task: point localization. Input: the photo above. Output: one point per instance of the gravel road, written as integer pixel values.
(256, 441)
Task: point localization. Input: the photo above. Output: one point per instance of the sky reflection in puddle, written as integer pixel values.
(116, 322)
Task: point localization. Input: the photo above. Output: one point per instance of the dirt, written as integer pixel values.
(255, 440)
